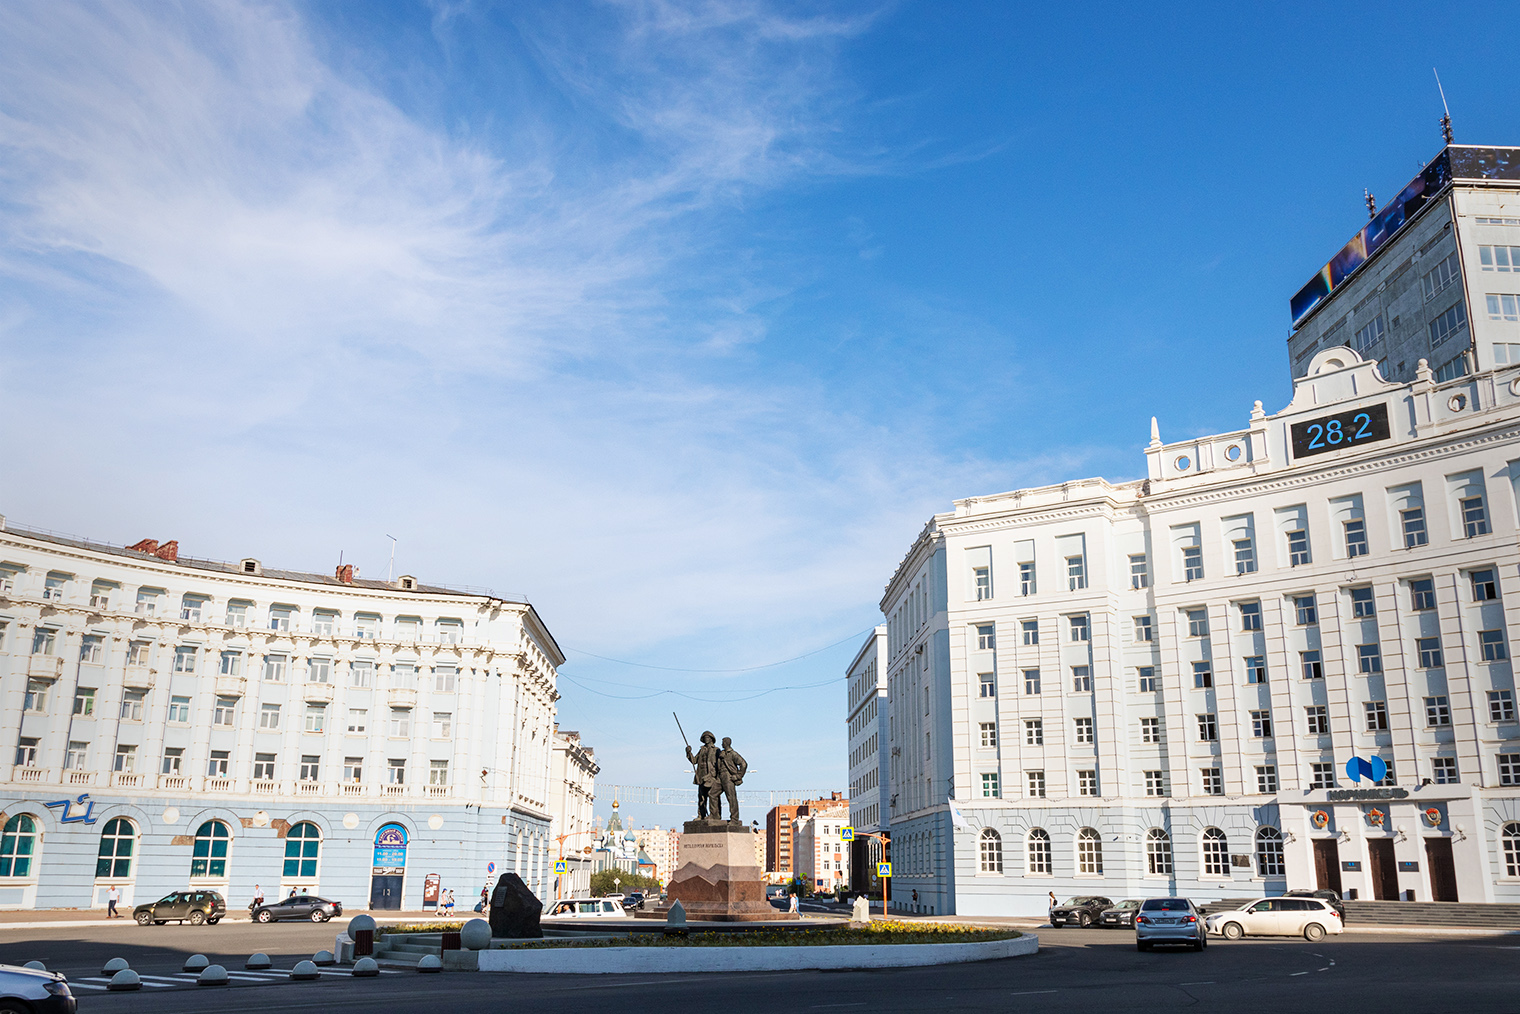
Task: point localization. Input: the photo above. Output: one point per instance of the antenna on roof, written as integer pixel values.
(1446, 119)
(392, 565)
(1371, 202)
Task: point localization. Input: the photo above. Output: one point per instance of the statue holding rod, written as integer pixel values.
(705, 775)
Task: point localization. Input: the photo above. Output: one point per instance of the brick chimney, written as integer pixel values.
(346, 573)
(145, 546)
(168, 551)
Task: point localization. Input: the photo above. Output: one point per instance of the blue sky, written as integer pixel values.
(679, 318)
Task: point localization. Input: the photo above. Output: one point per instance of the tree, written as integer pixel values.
(601, 883)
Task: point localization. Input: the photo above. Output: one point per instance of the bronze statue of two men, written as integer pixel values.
(717, 773)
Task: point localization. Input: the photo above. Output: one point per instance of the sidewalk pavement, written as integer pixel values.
(64, 918)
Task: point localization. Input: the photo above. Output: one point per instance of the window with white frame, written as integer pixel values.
(1208, 728)
(1369, 658)
(231, 663)
(84, 701)
(78, 756)
(982, 577)
(1422, 594)
(281, 617)
(319, 670)
(1081, 679)
(1485, 588)
(1144, 630)
(1451, 321)
(1376, 713)
(1080, 628)
(989, 784)
(1034, 732)
(1474, 516)
(274, 668)
(988, 684)
(173, 758)
(1437, 711)
(989, 734)
(1192, 563)
(92, 649)
(1083, 729)
(1412, 523)
(1150, 729)
(1213, 781)
(316, 718)
(263, 767)
(311, 768)
(35, 700)
(1429, 651)
(1496, 258)
(1245, 556)
(1509, 770)
(353, 770)
(1256, 668)
(26, 752)
(1089, 852)
(1369, 334)
(132, 705)
(1305, 614)
(401, 723)
(1155, 783)
(1313, 667)
(237, 615)
(225, 713)
(179, 710)
(1362, 603)
(1139, 571)
(1076, 573)
(395, 770)
(324, 622)
(1250, 616)
(1037, 850)
(361, 673)
(1036, 781)
(358, 721)
(1269, 853)
(184, 658)
(126, 758)
(44, 641)
(1261, 724)
(1502, 306)
(1158, 853)
(991, 851)
(1198, 622)
(1026, 578)
(366, 626)
(443, 724)
(1356, 537)
(269, 717)
(1203, 675)
(986, 637)
(1444, 770)
(1216, 853)
(1087, 782)
(450, 631)
(1031, 681)
(1501, 705)
(1321, 774)
(1510, 840)
(216, 764)
(1266, 778)
(1316, 720)
(1147, 681)
(444, 677)
(1298, 547)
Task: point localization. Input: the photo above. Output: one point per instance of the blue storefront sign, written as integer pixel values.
(390, 849)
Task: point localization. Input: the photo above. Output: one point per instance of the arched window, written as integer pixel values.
(1089, 851)
(992, 851)
(1158, 852)
(1269, 852)
(1216, 853)
(1509, 836)
(210, 857)
(18, 843)
(116, 842)
(303, 844)
(1038, 847)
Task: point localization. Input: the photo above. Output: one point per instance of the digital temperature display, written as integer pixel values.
(1337, 432)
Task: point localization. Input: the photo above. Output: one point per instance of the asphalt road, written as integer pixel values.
(1076, 970)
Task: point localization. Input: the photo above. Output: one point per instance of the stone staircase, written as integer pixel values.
(408, 949)
(1412, 913)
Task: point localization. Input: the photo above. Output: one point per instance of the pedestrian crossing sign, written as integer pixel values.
(847, 834)
(883, 869)
(560, 866)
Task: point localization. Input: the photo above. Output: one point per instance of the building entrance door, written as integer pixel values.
(1327, 864)
(1385, 872)
(385, 893)
(1443, 872)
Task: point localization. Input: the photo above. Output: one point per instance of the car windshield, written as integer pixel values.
(1166, 905)
(1129, 904)
(166, 899)
(1074, 902)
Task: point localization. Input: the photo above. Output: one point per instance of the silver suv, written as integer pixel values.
(1169, 921)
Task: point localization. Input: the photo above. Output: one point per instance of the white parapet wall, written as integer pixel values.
(620, 960)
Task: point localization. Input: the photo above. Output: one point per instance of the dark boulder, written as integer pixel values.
(514, 909)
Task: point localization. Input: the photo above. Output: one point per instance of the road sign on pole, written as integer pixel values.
(560, 866)
(847, 834)
(883, 870)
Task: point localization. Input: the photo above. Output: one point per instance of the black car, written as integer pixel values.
(1121, 916)
(194, 907)
(300, 906)
(635, 899)
(1081, 911)
(1328, 895)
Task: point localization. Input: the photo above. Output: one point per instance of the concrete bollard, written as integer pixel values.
(212, 975)
(322, 958)
(476, 935)
(430, 963)
(196, 963)
(124, 980)
(365, 967)
(113, 966)
(35, 966)
(257, 961)
(305, 971)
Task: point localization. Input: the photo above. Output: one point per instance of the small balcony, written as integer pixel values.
(395, 790)
(178, 783)
(80, 778)
(218, 784)
(320, 693)
(402, 697)
(265, 788)
(437, 791)
(22, 773)
(231, 686)
(127, 780)
(308, 788)
(353, 788)
(139, 677)
(44, 667)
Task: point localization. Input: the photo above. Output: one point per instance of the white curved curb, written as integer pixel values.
(622, 960)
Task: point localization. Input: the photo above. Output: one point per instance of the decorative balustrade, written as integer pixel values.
(218, 784)
(353, 788)
(27, 774)
(264, 788)
(127, 780)
(176, 782)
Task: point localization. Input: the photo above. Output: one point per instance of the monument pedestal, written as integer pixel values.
(718, 879)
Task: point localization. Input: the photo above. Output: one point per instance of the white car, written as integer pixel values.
(586, 908)
(1310, 918)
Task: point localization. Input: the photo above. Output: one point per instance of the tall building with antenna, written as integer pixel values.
(1434, 275)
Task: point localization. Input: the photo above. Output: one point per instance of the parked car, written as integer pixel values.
(634, 899)
(585, 908)
(302, 906)
(1310, 918)
(194, 907)
(1121, 916)
(1169, 921)
(1081, 911)
(24, 989)
(1333, 897)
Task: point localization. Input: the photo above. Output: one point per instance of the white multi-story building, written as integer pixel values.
(822, 857)
(866, 720)
(572, 779)
(663, 847)
(181, 722)
(1156, 687)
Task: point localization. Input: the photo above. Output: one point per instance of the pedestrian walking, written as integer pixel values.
(1052, 906)
(485, 898)
(112, 897)
(792, 905)
(448, 906)
(292, 893)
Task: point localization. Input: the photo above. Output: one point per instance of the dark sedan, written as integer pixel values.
(1081, 911)
(1332, 897)
(301, 906)
(194, 907)
(1121, 916)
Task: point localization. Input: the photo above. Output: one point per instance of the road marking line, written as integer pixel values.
(1325, 969)
(826, 1006)
(1209, 982)
(1298, 973)
(1035, 992)
(84, 985)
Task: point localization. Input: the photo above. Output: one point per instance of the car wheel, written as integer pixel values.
(1314, 932)
(143, 918)
(318, 915)
(9, 1006)
(1142, 945)
(1203, 942)
(1083, 920)
(265, 915)
(1233, 931)
(197, 918)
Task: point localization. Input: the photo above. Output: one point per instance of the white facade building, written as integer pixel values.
(866, 720)
(1156, 687)
(822, 856)
(572, 777)
(184, 722)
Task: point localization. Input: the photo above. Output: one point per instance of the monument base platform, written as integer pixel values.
(719, 879)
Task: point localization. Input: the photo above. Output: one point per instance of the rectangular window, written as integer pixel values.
(1150, 730)
(1148, 681)
(1321, 774)
(1298, 548)
(1484, 587)
(184, 658)
(1261, 724)
(1313, 668)
(1501, 706)
(1443, 274)
(78, 757)
(1034, 732)
(1389, 777)
(44, 641)
(1079, 628)
(1369, 659)
(1192, 563)
(1304, 611)
(1144, 631)
(1076, 573)
(126, 759)
(1155, 783)
(989, 734)
(173, 757)
(274, 668)
(316, 718)
(1412, 521)
(26, 752)
(232, 663)
(353, 770)
(1445, 770)
(1452, 369)
(1087, 782)
(263, 767)
(311, 765)
(1036, 783)
(226, 711)
(35, 701)
(443, 724)
(983, 576)
(1377, 715)
(988, 684)
(1208, 728)
(132, 705)
(1031, 681)
(1256, 668)
(1084, 729)
(1362, 605)
(401, 722)
(1369, 334)
(92, 649)
(138, 652)
(1429, 649)
(1447, 323)
(1026, 579)
(1250, 616)
(1506, 353)
(989, 784)
(237, 614)
(1081, 679)
(84, 702)
(1509, 769)
(324, 623)
(395, 770)
(319, 670)
(1422, 594)
(280, 617)
(358, 720)
(1245, 556)
(216, 766)
(1266, 778)
(1213, 781)
(1474, 517)
(179, 709)
(986, 637)
(1203, 675)
(1317, 720)
(1491, 643)
(1198, 622)
(1356, 538)
(438, 774)
(1437, 712)
(269, 716)
(1139, 571)
(444, 677)
(361, 673)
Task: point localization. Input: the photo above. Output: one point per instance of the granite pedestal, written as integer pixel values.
(718, 879)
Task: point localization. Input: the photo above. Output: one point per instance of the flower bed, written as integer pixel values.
(875, 934)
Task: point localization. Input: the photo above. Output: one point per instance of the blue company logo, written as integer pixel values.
(1374, 769)
(72, 818)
